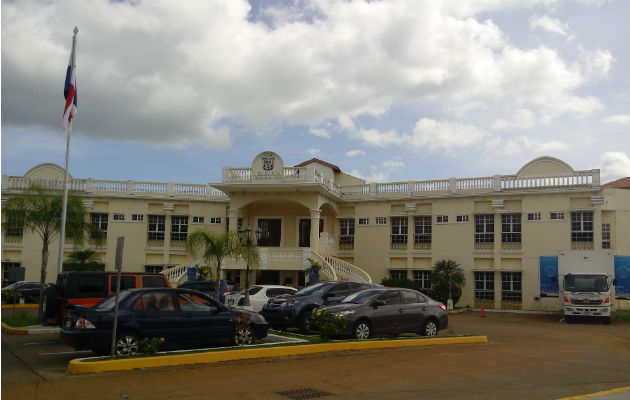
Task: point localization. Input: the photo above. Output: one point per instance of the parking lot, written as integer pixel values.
(527, 357)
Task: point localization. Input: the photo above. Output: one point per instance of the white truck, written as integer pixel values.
(586, 284)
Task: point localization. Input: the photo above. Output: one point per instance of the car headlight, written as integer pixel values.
(344, 313)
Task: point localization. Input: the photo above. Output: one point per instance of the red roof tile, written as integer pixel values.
(317, 160)
(623, 183)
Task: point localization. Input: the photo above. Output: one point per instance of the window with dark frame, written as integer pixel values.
(441, 219)
(17, 230)
(398, 273)
(157, 227)
(484, 228)
(381, 220)
(462, 218)
(556, 215)
(422, 278)
(99, 223)
(511, 286)
(179, 227)
(582, 226)
(511, 228)
(364, 221)
(399, 229)
(484, 285)
(533, 216)
(197, 220)
(137, 217)
(605, 236)
(422, 231)
(119, 217)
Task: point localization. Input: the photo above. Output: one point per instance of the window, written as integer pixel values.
(215, 220)
(422, 278)
(484, 228)
(484, 285)
(533, 216)
(17, 230)
(605, 236)
(399, 230)
(364, 221)
(153, 268)
(410, 297)
(197, 220)
(381, 220)
(119, 217)
(398, 273)
(462, 218)
(442, 219)
(99, 225)
(346, 236)
(137, 217)
(511, 287)
(157, 225)
(390, 297)
(179, 227)
(511, 228)
(422, 233)
(153, 281)
(126, 282)
(556, 215)
(582, 226)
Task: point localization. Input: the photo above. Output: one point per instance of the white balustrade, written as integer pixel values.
(431, 186)
(240, 174)
(392, 188)
(475, 183)
(190, 189)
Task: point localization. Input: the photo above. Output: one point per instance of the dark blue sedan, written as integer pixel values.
(182, 318)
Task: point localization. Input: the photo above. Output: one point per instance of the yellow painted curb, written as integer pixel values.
(604, 393)
(9, 306)
(85, 367)
(13, 331)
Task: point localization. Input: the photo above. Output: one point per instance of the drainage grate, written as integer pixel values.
(303, 393)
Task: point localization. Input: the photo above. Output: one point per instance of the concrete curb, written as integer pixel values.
(28, 331)
(79, 366)
(599, 394)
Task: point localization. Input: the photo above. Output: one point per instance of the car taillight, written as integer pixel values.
(227, 290)
(240, 301)
(442, 306)
(83, 323)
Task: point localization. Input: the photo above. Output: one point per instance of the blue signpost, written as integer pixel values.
(192, 273)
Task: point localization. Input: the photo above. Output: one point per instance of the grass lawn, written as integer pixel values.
(624, 315)
(18, 322)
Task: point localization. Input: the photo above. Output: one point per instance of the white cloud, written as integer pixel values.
(376, 175)
(354, 153)
(313, 152)
(619, 119)
(319, 132)
(445, 135)
(549, 24)
(614, 165)
(520, 119)
(525, 145)
(166, 72)
(393, 164)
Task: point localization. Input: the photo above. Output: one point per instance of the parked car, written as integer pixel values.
(389, 311)
(183, 318)
(89, 288)
(258, 296)
(208, 287)
(295, 310)
(27, 290)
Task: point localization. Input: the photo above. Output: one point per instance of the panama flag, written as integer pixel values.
(70, 89)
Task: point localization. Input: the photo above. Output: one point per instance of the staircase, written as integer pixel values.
(335, 269)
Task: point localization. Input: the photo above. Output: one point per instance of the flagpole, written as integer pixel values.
(62, 234)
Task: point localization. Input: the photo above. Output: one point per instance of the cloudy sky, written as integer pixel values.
(387, 90)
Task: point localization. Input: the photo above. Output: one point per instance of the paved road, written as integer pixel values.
(527, 357)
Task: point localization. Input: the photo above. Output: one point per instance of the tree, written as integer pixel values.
(400, 282)
(215, 248)
(38, 211)
(83, 256)
(447, 281)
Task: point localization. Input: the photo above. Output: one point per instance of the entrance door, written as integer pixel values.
(271, 232)
(304, 239)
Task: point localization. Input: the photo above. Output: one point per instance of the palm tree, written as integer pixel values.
(38, 210)
(447, 277)
(83, 256)
(214, 249)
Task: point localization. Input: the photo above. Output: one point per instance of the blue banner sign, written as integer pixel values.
(192, 273)
(622, 274)
(548, 270)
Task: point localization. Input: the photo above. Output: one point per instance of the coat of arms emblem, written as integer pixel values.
(268, 160)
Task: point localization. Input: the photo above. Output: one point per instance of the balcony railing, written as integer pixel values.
(398, 242)
(484, 246)
(423, 246)
(582, 245)
(511, 246)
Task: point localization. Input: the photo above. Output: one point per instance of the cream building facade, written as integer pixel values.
(504, 230)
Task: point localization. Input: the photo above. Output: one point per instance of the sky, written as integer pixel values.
(172, 91)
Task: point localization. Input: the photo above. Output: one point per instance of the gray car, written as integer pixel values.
(387, 311)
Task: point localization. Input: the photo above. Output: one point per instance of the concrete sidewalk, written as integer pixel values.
(30, 330)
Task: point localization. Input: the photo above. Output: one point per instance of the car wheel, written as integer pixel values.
(304, 322)
(127, 344)
(243, 336)
(362, 330)
(430, 328)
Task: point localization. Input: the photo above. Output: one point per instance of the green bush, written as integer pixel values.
(74, 266)
(329, 324)
(439, 292)
(150, 346)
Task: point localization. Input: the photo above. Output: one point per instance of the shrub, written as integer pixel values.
(150, 346)
(329, 324)
(400, 282)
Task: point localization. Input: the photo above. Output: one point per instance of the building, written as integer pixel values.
(504, 230)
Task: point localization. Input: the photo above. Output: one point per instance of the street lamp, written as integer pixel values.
(246, 233)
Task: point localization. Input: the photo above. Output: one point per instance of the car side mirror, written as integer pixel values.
(614, 282)
(378, 303)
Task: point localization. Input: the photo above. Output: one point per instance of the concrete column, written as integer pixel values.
(315, 214)
(597, 228)
(233, 216)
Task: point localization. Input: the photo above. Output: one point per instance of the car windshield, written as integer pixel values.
(110, 302)
(316, 289)
(363, 297)
(585, 283)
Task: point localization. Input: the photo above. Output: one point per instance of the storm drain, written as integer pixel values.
(303, 393)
